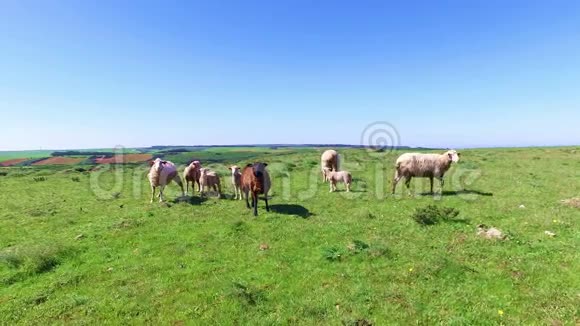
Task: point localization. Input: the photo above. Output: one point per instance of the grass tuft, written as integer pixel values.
(333, 254)
(433, 214)
(248, 294)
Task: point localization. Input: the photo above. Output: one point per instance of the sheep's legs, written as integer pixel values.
(177, 180)
(408, 184)
(161, 193)
(348, 187)
(218, 188)
(255, 203)
(396, 180)
(442, 183)
(246, 192)
(266, 200)
(186, 187)
(152, 193)
(431, 181)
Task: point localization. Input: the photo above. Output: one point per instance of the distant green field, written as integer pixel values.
(88, 248)
(9, 155)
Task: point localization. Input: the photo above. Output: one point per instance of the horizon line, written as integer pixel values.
(289, 145)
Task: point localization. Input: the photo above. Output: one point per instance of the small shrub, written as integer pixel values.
(433, 214)
(248, 294)
(39, 179)
(3, 173)
(76, 179)
(333, 254)
(358, 246)
(80, 169)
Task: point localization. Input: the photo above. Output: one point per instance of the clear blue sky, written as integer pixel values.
(86, 74)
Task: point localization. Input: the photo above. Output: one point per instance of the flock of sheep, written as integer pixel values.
(255, 180)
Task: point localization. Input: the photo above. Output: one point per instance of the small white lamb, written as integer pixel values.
(236, 181)
(337, 176)
(209, 179)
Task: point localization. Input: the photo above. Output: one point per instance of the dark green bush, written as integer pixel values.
(433, 214)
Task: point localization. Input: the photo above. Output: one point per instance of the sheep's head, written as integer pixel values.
(196, 164)
(157, 165)
(453, 155)
(235, 169)
(203, 171)
(259, 168)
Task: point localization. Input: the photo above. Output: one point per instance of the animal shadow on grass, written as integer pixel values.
(192, 200)
(291, 209)
(457, 193)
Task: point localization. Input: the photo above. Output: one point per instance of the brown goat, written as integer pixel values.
(255, 179)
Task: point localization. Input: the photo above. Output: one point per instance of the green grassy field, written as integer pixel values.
(80, 247)
(9, 155)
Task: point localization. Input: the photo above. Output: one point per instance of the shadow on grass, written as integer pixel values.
(291, 210)
(192, 200)
(458, 193)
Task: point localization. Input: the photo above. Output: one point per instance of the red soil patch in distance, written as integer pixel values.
(127, 158)
(59, 160)
(13, 161)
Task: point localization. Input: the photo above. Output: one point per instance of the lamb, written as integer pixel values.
(329, 159)
(337, 176)
(191, 174)
(419, 165)
(236, 181)
(255, 179)
(209, 179)
(160, 174)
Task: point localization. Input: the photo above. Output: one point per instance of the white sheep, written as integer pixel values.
(329, 159)
(191, 174)
(160, 174)
(419, 165)
(337, 176)
(236, 181)
(211, 180)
